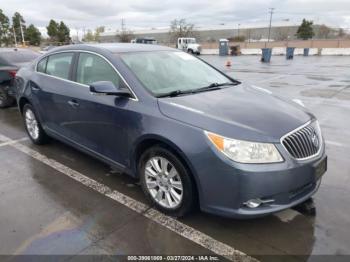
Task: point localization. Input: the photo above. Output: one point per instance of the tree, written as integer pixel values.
(323, 31)
(63, 33)
(94, 36)
(17, 23)
(33, 35)
(58, 32)
(341, 33)
(305, 30)
(126, 36)
(52, 30)
(98, 31)
(5, 31)
(89, 37)
(180, 28)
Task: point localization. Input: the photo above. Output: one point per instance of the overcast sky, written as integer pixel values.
(153, 13)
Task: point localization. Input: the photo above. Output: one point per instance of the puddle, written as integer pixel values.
(343, 94)
(316, 92)
(278, 84)
(319, 78)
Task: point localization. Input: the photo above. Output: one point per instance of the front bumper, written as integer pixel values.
(225, 186)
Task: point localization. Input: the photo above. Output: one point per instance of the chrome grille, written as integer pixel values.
(304, 142)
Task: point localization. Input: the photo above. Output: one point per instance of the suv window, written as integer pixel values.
(92, 68)
(42, 65)
(59, 65)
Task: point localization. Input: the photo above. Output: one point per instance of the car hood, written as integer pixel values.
(241, 112)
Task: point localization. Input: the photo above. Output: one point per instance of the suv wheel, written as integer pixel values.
(33, 126)
(166, 182)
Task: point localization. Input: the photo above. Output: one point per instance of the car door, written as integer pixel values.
(102, 122)
(52, 92)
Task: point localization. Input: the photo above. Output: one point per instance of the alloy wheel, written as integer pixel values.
(163, 182)
(32, 124)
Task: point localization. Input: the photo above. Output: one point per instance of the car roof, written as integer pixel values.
(115, 47)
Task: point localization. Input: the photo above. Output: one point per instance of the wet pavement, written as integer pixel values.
(42, 211)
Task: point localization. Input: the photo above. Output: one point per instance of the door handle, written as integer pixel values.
(34, 87)
(73, 103)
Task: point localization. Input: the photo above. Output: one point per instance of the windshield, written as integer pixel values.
(168, 71)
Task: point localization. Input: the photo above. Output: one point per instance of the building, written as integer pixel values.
(208, 34)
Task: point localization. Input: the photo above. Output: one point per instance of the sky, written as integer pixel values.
(147, 14)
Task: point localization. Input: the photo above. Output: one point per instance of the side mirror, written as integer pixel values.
(108, 88)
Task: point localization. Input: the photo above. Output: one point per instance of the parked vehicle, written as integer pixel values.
(11, 59)
(189, 132)
(189, 45)
(144, 40)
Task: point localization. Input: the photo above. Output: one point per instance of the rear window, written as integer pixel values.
(19, 56)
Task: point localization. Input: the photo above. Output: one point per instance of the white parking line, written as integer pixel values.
(6, 142)
(172, 224)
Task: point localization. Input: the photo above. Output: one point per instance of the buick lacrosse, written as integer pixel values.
(191, 134)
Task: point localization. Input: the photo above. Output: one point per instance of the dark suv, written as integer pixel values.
(11, 60)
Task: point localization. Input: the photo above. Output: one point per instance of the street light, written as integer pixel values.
(238, 30)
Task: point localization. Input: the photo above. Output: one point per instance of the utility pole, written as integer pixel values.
(14, 34)
(123, 25)
(271, 12)
(20, 26)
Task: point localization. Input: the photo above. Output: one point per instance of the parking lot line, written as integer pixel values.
(170, 223)
(10, 142)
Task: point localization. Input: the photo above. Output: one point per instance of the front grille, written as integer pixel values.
(304, 142)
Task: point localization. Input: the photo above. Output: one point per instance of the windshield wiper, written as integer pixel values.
(213, 86)
(175, 93)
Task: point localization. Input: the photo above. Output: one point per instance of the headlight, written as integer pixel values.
(245, 151)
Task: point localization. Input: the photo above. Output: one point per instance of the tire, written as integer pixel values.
(33, 126)
(5, 99)
(167, 191)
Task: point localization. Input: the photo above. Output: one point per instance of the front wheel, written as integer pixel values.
(166, 182)
(33, 126)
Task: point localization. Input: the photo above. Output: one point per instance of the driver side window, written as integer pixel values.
(92, 68)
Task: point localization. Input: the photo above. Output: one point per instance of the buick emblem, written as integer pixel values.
(314, 139)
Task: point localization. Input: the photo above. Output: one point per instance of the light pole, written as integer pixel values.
(20, 26)
(238, 30)
(14, 34)
(271, 12)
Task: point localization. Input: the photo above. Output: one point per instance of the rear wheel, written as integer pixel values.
(33, 126)
(166, 182)
(5, 99)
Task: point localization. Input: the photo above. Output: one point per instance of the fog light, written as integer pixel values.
(253, 203)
